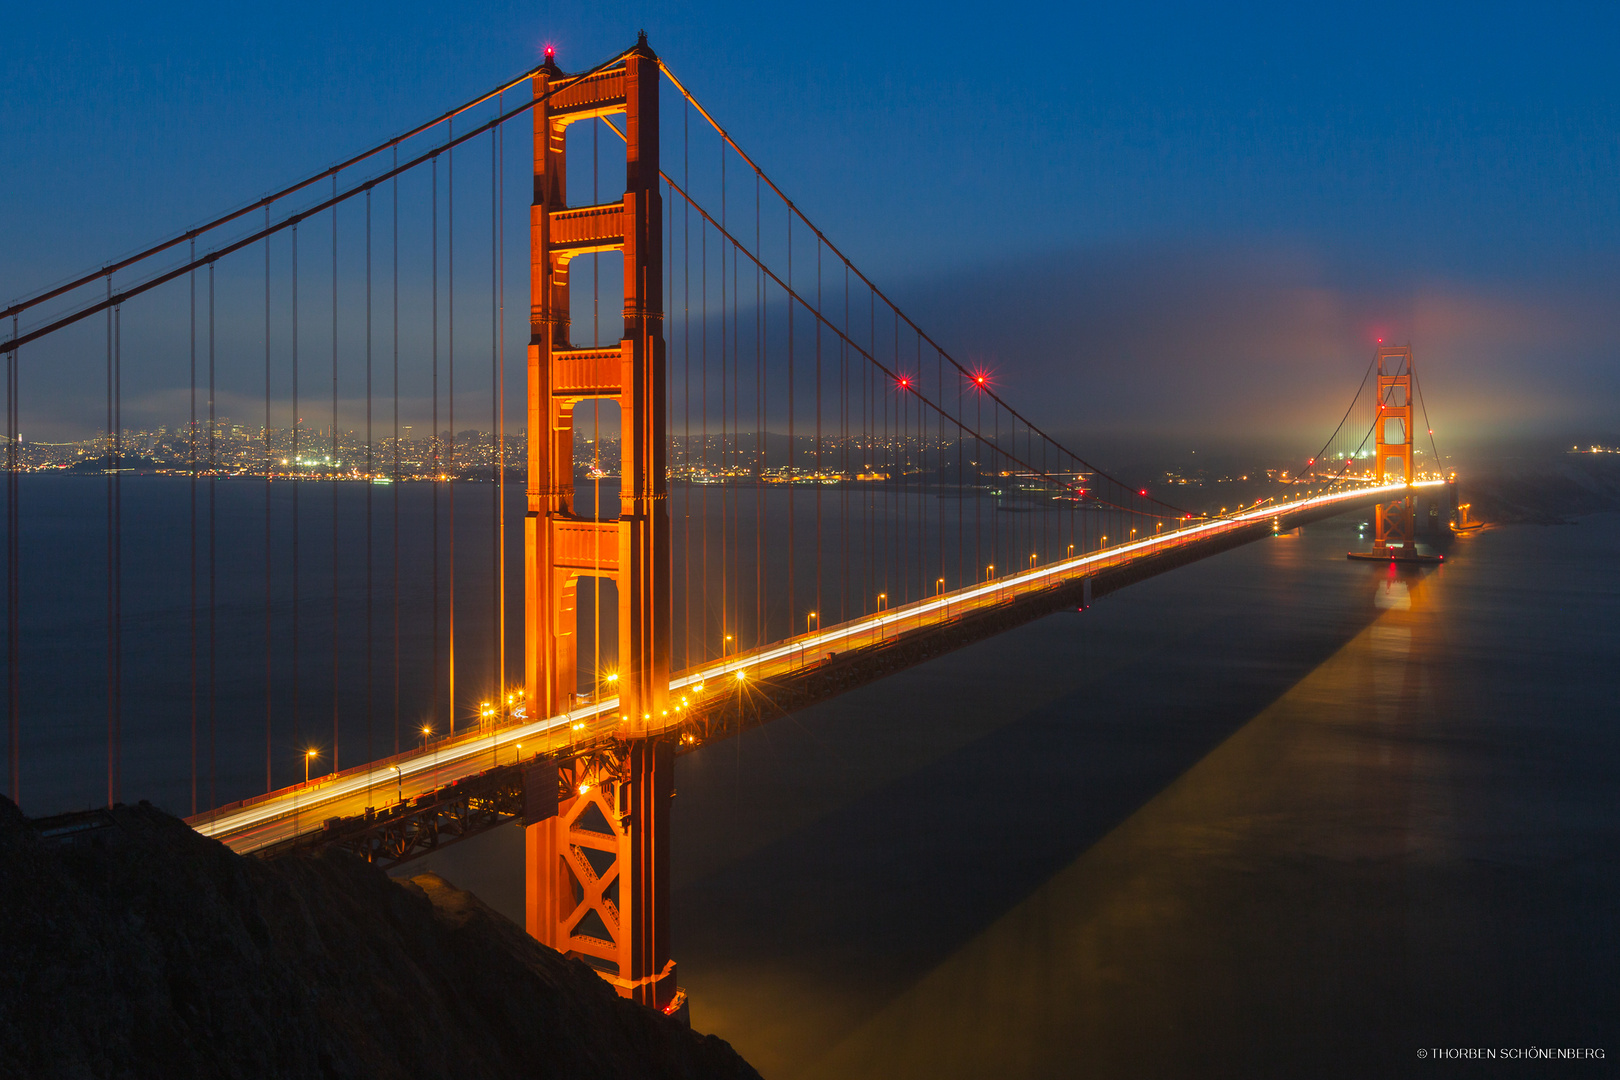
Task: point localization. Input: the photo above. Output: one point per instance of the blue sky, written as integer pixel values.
(1129, 206)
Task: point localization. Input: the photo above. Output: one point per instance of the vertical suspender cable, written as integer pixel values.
(369, 477)
(269, 468)
(873, 464)
(435, 443)
(736, 451)
(792, 594)
(500, 411)
(1001, 500)
(736, 448)
(922, 456)
(818, 429)
(13, 579)
(501, 433)
(332, 479)
(297, 482)
(213, 550)
(725, 622)
(760, 635)
(450, 448)
(901, 491)
(118, 552)
(669, 385)
(394, 488)
(192, 532)
(596, 436)
(703, 445)
(112, 796)
(843, 438)
(686, 373)
(499, 687)
(978, 479)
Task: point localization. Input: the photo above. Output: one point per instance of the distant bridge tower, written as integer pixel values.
(1395, 525)
(597, 859)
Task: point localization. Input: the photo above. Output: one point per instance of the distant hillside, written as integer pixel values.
(1544, 489)
(134, 947)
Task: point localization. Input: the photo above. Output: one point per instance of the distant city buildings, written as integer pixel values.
(229, 449)
(223, 448)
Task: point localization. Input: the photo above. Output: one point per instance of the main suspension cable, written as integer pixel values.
(266, 201)
(795, 211)
(270, 229)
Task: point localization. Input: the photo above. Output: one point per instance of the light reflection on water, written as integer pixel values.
(1272, 815)
(1393, 593)
(1162, 940)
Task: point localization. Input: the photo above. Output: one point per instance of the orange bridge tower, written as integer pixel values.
(597, 856)
(1395, 525)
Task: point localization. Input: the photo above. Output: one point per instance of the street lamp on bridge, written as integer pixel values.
(309, 756)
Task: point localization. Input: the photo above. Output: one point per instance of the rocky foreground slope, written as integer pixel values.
(134, 947)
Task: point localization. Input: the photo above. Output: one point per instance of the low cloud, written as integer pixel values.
(1269, 345)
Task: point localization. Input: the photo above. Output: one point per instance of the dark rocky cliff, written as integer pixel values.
(133, 947)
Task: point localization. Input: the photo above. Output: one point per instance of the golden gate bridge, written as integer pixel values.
(812, 492)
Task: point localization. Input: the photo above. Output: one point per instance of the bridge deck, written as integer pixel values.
(282, 816)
